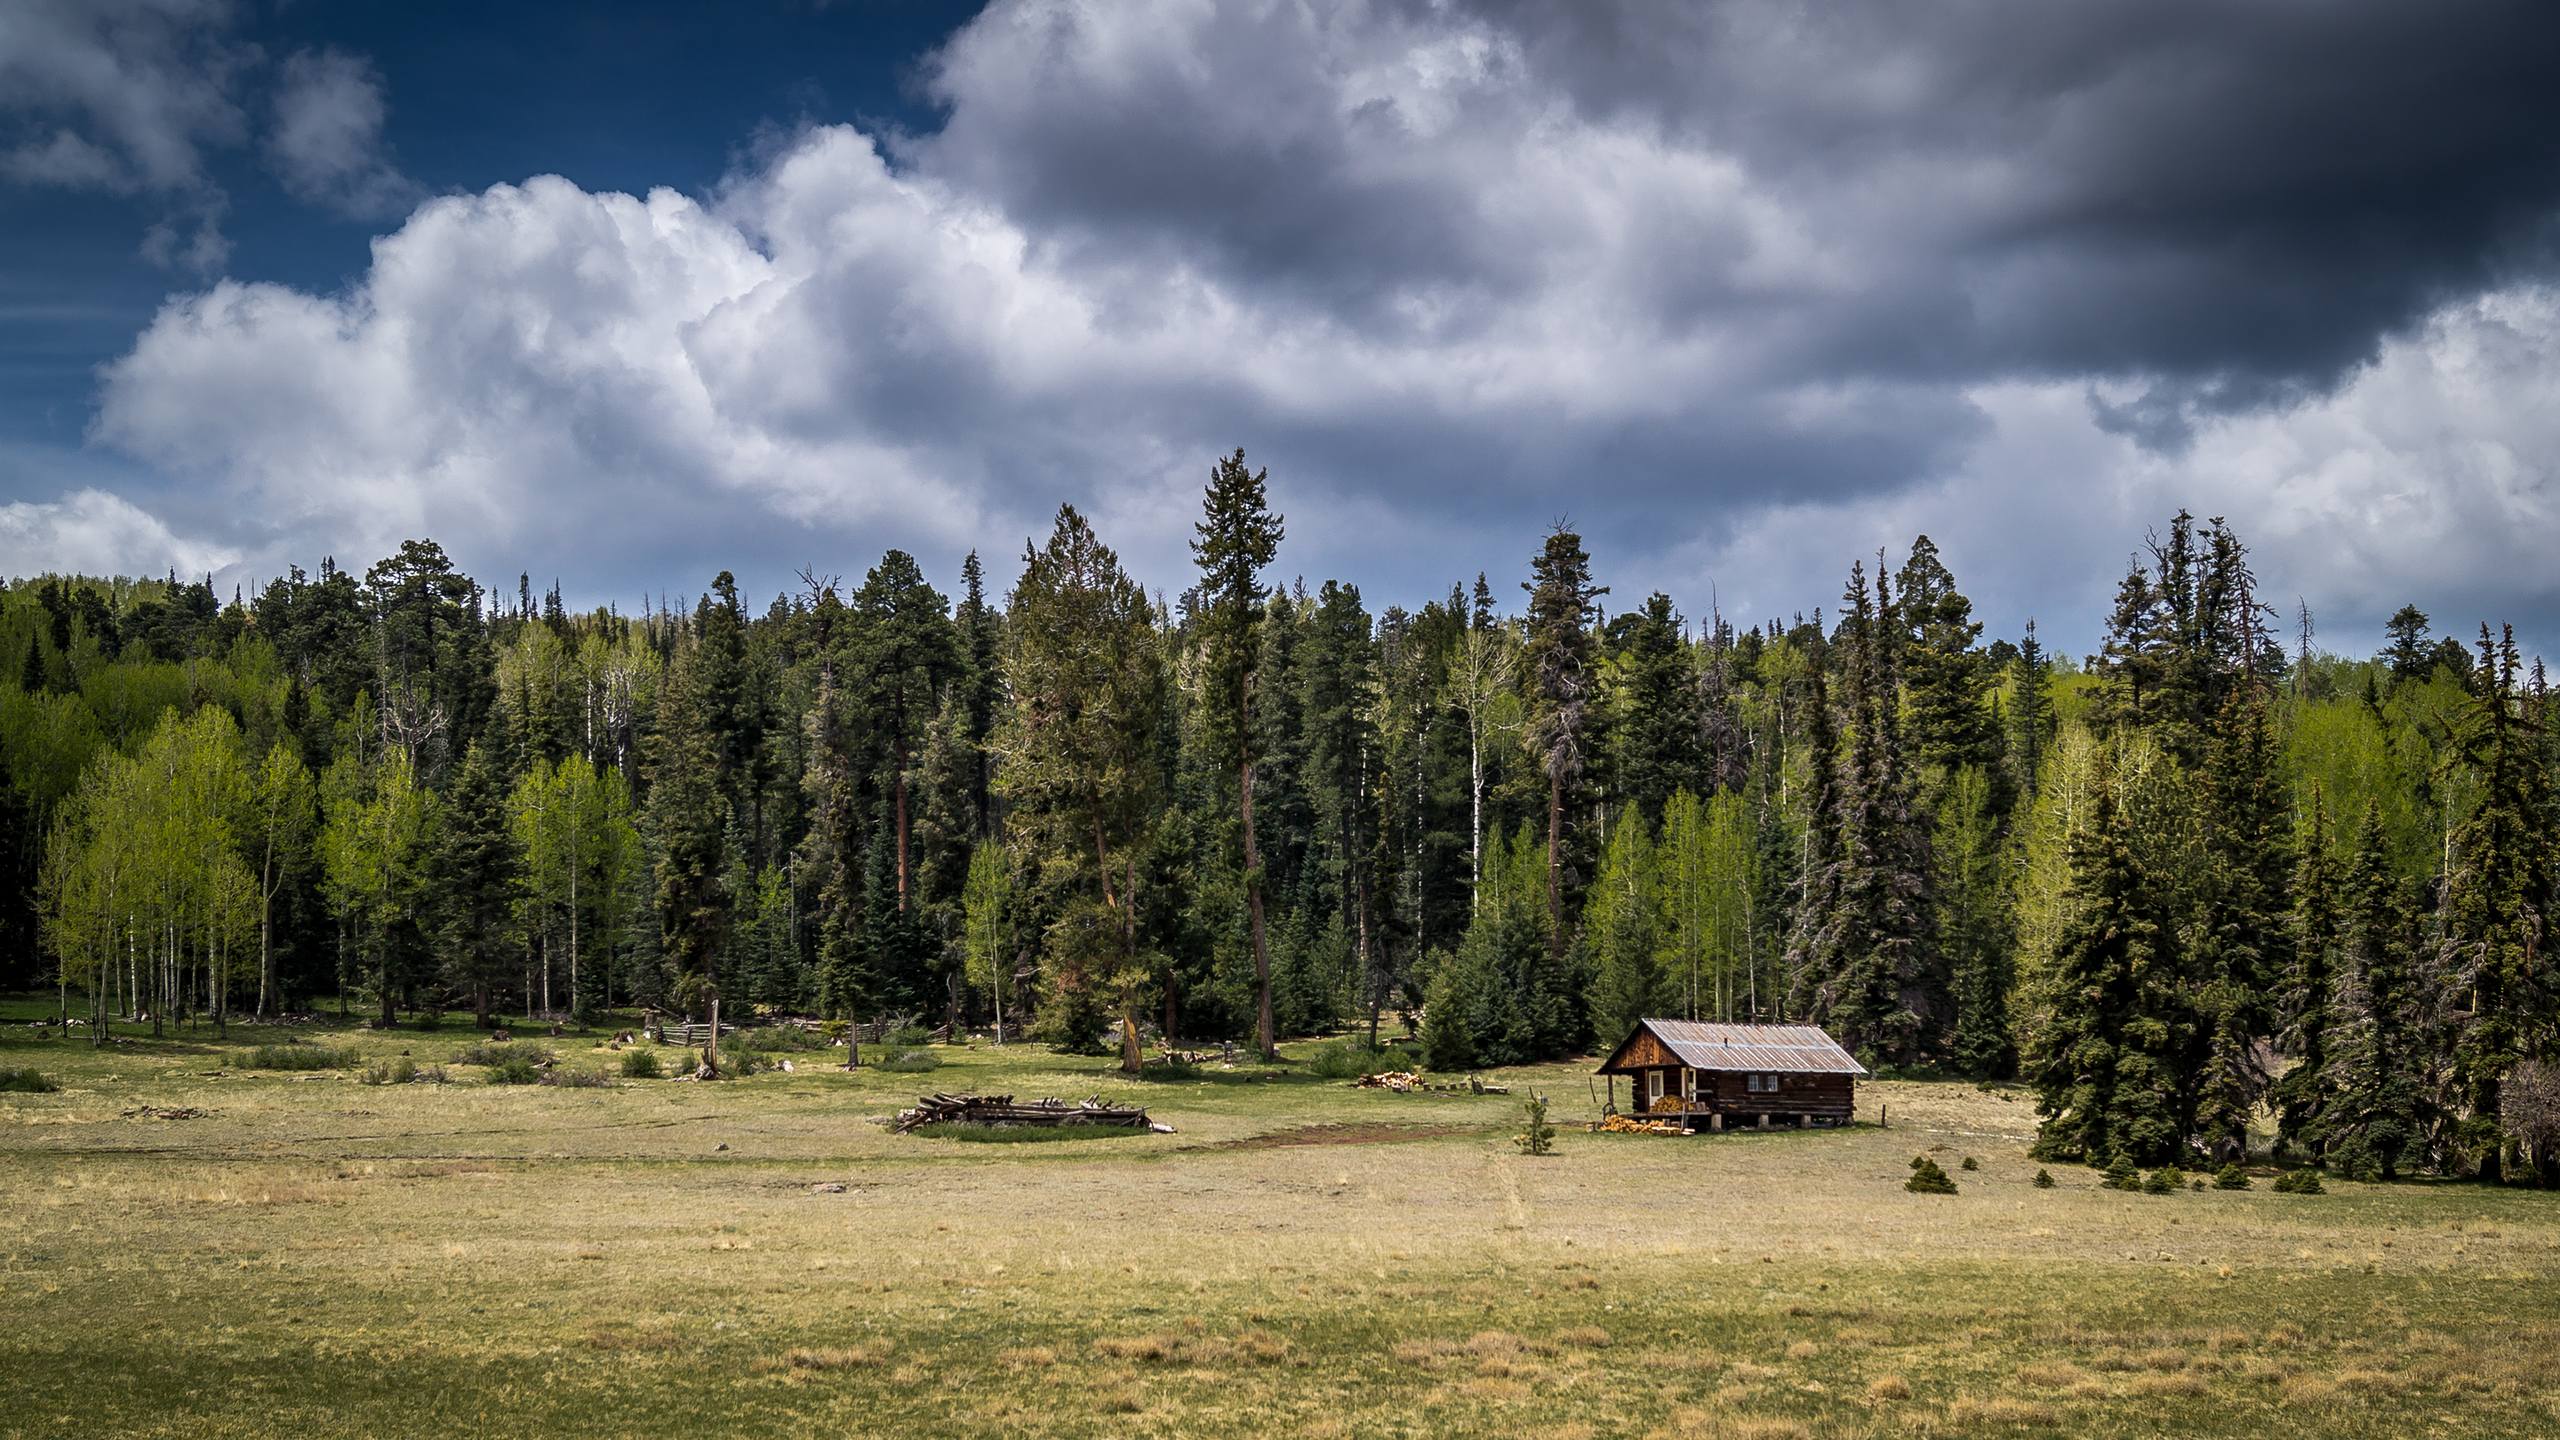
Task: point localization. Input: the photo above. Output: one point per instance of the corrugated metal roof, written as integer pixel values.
(1768, 1049)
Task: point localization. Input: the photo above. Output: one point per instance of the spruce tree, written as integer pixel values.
(2376, 1057)
(689, 818)
(1950, 726)
(1558, 656)
(2493, 907)
(2079, 1053)
(478, 878)
(2308, 996)
(1623, 921)
(1659, 719)
(904, 653)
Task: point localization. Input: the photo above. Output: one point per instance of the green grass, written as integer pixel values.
(298, 1057)
(25, 1081)
(311, 1254)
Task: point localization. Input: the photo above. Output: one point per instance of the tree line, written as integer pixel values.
(2211, 871)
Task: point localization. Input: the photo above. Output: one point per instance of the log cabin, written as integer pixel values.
(1714, 1076)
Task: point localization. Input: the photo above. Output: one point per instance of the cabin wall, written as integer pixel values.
(1830, 1097)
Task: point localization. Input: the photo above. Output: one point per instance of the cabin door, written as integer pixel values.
(1652, 1089)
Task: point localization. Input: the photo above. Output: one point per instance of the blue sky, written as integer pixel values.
(1744, 292)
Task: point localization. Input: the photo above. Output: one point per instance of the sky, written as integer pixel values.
(622, 295)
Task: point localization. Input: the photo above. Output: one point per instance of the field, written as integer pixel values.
(313, 1255)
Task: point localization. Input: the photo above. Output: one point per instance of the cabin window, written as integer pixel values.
(1760, 1084)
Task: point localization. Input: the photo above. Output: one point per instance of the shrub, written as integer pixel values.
(2231, 1177)
(1928, 1178)
(2357, 1160)
(297, 1057)
(25, 1082)
(2163, 1181)
(907, 1060)
(1351, 1059)
(514, 1069)
(495, 1053)
(641, 1065)
(2121, 1174)
(578, 1077)
(2299, 1182)
(396, 1072)
(1537, 1136)
(2044, 1179)
(1970, 1164)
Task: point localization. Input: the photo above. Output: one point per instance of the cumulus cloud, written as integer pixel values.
(1744, 292)
(95, 533)
(326, 142)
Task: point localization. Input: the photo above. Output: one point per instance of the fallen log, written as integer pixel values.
(1005, 1110)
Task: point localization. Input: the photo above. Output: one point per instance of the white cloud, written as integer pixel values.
(326, 142)
(2432, 475)
(92, 532)
(1439, 290)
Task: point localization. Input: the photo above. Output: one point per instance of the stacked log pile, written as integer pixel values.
(1629, 1125)
(1004, 1110)
(1406, 1082)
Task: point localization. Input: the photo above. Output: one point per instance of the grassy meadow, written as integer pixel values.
(301, 1253)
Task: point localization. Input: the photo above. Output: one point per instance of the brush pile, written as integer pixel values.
(1407, 1082)
(1003, 1110)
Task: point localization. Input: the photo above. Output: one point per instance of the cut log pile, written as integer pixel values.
(1629, 1125)
(1406, 1082)
(1004, 1110)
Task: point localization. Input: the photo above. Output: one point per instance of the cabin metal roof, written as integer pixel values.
(1765, 1049)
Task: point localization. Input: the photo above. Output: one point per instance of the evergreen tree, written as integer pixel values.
(2493, 906)
(1974, 926)
(2374, 1062)
(904, 653)
(2031, 713)
(1658, 717)
(1082, 768)
(689, 820)
(1951, 725)
(1237, 537)
(1624, 924)
(478, 877)
(2307, 998)
(1558, 660)
(2098, 1051)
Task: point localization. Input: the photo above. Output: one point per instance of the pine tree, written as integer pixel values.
(2098, 1051)
(1083, 768)
(689, 818)
(2030, 713)
(2375, 1061)
(2493, 905)
(1872, 965)
(1974, 926)
(1622, 919)
(1558, 658)
(1950, 724)
(1658, 719)
(2308, 996)
(478, 878)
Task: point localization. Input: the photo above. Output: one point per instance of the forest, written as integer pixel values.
(2210, 876)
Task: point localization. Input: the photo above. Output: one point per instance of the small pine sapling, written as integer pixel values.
(2044, 1179)
(2299, 1182)
(2231, 1177)
(2162, 1181)
(2121, 1174)
(1928, 1179)
(1970, 1164)
(1539, 1136)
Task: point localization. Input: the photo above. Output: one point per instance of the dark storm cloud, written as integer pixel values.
(2238, 194)
(1742, 290)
